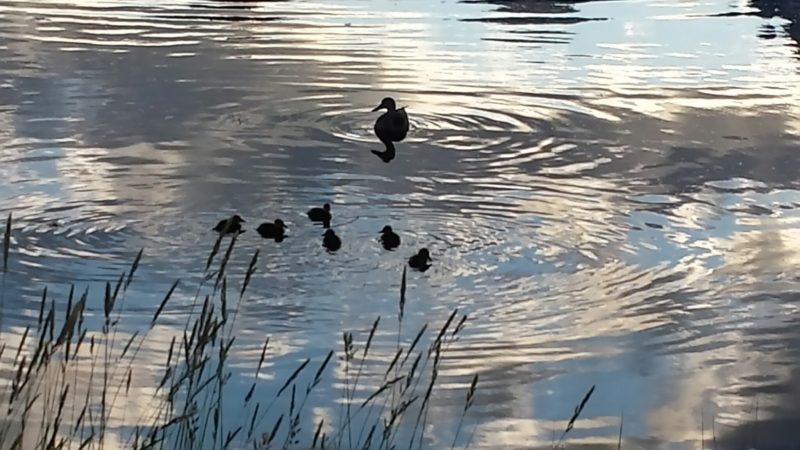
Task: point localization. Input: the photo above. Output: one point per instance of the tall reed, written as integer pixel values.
(72, 377)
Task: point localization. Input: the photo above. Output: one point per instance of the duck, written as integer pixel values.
(321, 215)
(389, 239)
(391, 127)
(331, 241)
(421, 261)
(275, 230)
(230, 225)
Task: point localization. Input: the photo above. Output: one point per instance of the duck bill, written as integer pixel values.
(377, 108)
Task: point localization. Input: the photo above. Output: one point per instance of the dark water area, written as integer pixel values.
(609, 190)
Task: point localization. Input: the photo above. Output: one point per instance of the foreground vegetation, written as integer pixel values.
(67, 384)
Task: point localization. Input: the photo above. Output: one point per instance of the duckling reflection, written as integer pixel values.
(230, 226)
(421, 261)
(391, 126)
(275, 230)
(321, 215)
(389, 239)
(331, 241)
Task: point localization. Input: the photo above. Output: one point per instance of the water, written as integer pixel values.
(609, 190)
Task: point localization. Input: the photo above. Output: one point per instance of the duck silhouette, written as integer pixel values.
(391, 127)
(230, 225)
(321, 215)
(275, 230)
(331, 241)
(421, 261)
(389, 239)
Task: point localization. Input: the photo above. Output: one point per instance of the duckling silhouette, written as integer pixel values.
(421, 261)
(389, 239)
(230, 225)
(275, 230)
(321, 215)
(391, 126)
(331, 241)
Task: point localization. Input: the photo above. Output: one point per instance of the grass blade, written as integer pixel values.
(134, 266)
(403, 294)
(576, 414)
(293, 376)
(6, 243)
(164, 302)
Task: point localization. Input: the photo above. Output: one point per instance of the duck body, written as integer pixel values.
(421, 261)
(230, 226)
(331, 241)
(389, 239)
(391, 126)
(321, 215)
(275, 230)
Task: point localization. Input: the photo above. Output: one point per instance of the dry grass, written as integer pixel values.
(68, 380)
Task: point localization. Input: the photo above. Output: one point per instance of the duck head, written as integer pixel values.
(326, 207)
(425, 255)
(237, 219)
(387, 103)
(279, 223)
(386, 230)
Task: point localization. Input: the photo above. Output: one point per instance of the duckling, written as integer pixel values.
(421, 261)
(276, 230)
(391, 126)
(389, 239)
(321, 215)
(231, 225)
(331, 241)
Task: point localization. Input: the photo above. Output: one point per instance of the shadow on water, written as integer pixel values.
(788, 9)
(772, 416)
(234, 4)
(223, 5)
(215, 7)
(222, 18)
(525, 18)
(532, 7)
(546, 12)
(768, 9)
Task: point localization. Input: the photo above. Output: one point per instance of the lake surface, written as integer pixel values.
(609, 189)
